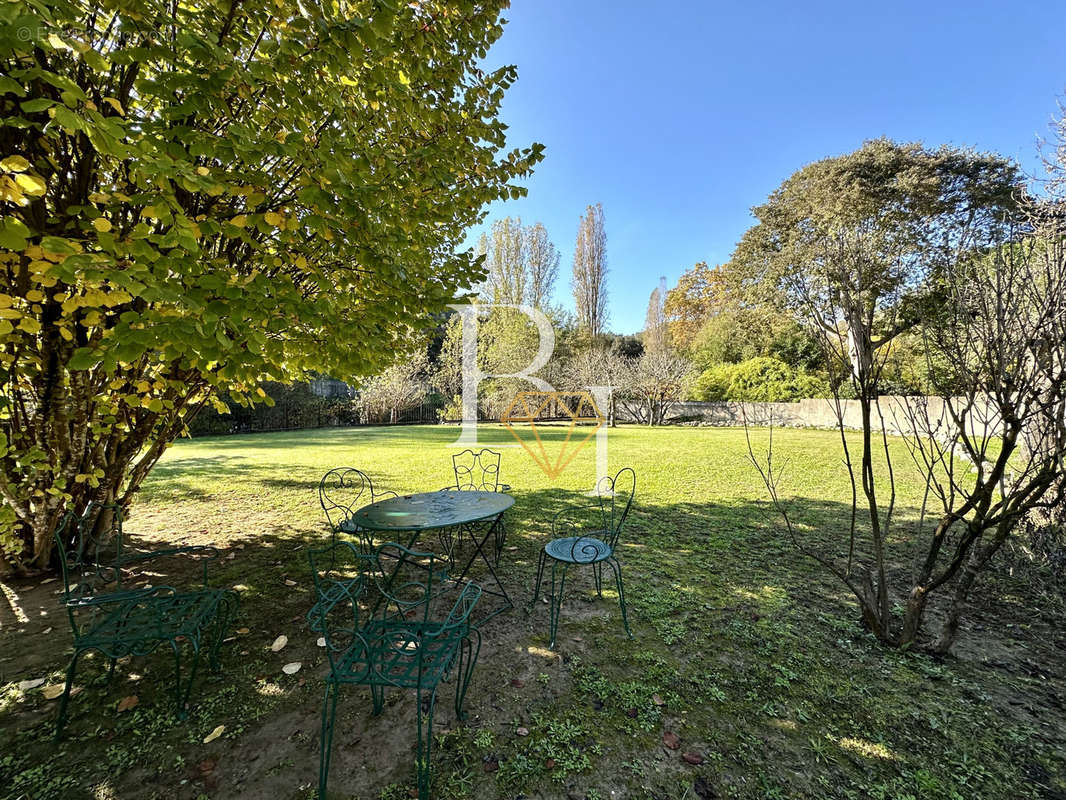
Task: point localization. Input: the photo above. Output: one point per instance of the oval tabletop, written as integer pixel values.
(431, 510)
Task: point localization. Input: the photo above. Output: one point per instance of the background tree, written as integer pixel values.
(505, 261)
(400, 387)
(590, 272)
(521, 261)
(656, 334)
(855, 246)
(199, 198)
(599, 364)
(653, 384)
(687, 307)
(542, 259)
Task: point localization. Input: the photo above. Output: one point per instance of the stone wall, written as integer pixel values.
(897, 413)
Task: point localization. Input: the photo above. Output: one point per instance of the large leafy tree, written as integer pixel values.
(858, 247)
(200, 196)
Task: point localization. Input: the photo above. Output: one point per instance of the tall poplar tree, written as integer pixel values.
(590, 272)
(542, 265)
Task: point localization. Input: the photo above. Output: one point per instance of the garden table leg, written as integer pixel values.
(479, 550)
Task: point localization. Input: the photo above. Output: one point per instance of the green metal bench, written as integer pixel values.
(392, 619)
(110, 613)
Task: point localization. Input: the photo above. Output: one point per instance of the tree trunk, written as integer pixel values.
(950, 629)
(913, 616)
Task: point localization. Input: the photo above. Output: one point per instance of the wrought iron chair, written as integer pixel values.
(477, 472)
(117, 620)
(399, 622)
(342, 492)
(587, 536)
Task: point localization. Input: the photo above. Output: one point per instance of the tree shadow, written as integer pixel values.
(714, 588)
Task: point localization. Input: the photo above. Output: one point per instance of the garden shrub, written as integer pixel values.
(760, 379)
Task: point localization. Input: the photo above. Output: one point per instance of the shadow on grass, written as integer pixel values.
(732, 628)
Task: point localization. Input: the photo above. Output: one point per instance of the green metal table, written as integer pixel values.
(417, 513)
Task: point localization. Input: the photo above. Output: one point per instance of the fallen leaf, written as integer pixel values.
(321, 641)
(126, 703)
(54, 690)
(46, 631)
(241, 631)
(693, 758)
(672, 740)
(292, 668)
(207, 765)
(25, 686)
(491, 765)
(517, 683)
(522, 731)
(214, 734)
(549, 763)
(658, 700)
(289, 582)
(279, 643)
(240, 587)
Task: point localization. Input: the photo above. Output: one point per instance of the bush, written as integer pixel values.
(713, 383)
(761, 379)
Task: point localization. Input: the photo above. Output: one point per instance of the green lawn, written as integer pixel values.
(749, 654)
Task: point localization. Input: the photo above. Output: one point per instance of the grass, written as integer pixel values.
(749, 654)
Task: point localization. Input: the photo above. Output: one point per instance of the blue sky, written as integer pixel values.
(680, 116)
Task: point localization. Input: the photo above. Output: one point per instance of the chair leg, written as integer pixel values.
(446, 539)
(557, 601)
(617, 568)
(465, 672)
(222, 617)
(597, 575)
(181, 695)
(540, 575)
(62, 718)
(329, 716)
(425, 744)
(377, 698)
(111, 670)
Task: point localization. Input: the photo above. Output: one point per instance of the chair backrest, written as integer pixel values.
(478, 471)
(616, 499)
(89, 559)
(406, 589)
(342, 491)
